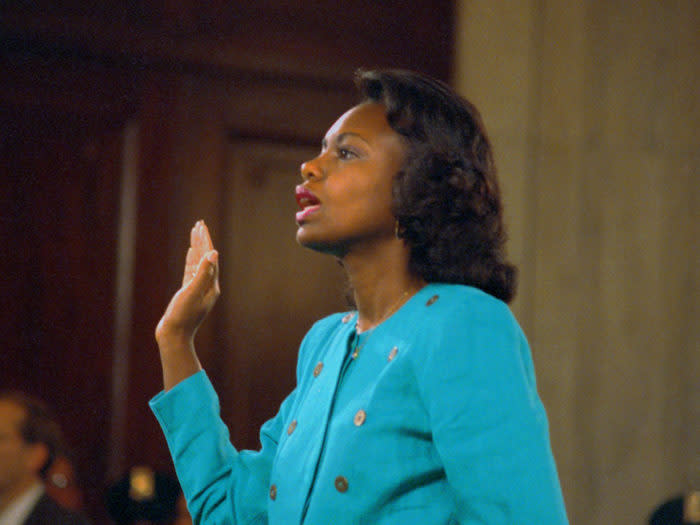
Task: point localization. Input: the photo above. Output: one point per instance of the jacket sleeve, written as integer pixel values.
(221, 485)
(488, 424)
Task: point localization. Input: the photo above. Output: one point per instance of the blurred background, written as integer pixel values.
(123, 122)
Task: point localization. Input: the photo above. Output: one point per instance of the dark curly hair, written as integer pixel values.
(446, 197)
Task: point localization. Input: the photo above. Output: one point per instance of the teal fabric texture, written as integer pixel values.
(436, 420)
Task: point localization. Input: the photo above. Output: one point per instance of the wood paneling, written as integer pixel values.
(59, 181)
(315, 41)
(218, 103)
(234, 157)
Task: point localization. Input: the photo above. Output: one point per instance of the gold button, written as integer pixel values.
(347, 317)
(273, 492)
(360, 417)
(317, 369)
(291, 427)
(432, 300)
(393, 353)
(341, 484)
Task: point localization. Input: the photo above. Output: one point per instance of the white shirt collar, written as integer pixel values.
(17, 511)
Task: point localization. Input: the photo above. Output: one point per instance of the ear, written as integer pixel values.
(37, 456)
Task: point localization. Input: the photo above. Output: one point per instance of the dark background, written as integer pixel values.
(122, 123)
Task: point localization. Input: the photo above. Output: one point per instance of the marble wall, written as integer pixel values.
(593, 108)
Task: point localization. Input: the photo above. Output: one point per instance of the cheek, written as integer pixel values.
(361, 195)
(375, 188)
(381, 195)
(371, 204)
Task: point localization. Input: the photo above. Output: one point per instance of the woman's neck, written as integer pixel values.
(381, 283)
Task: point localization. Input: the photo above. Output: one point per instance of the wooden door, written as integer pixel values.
(272, 288)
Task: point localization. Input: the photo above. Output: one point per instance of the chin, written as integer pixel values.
(312, 242)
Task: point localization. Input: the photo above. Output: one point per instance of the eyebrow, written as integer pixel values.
(342, 136)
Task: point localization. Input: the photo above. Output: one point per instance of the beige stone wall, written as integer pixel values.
(593, 110)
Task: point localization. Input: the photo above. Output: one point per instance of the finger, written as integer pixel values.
(196, 241)
(191, 264)
(194, 254)
(192, 261)
(206, 275)
(207, 245)
(193, 234)
(213, 258)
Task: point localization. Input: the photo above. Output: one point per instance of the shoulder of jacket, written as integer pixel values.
(321, 334)
(457, 301)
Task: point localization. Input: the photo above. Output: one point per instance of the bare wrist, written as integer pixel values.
(174, 342)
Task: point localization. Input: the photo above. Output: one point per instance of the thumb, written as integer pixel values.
(207, 270)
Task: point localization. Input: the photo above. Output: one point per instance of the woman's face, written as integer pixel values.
(345, 200)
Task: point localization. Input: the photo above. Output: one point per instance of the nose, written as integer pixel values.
(311, 169)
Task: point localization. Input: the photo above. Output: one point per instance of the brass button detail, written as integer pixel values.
(317, 369)
(291, 427)
(393, 353)
(341, 484)
(347, 317)
(273, 492)
(360, 417)
(432, 300)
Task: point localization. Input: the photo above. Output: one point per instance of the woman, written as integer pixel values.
(420, 405)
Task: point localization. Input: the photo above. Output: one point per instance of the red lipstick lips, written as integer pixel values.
(308, 203)
(305, 197)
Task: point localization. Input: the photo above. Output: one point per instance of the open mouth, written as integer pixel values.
(308, 204)
(305, 198)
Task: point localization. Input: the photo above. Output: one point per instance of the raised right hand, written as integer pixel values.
(188, 307)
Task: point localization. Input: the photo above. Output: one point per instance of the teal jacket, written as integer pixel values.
(437, 420)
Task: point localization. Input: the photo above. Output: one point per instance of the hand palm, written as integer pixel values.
(200, 287)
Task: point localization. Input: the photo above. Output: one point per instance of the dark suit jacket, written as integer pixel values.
(47, 512)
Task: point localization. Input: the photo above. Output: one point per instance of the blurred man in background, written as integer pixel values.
(30, 439)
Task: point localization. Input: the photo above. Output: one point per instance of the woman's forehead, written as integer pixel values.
(366, 119)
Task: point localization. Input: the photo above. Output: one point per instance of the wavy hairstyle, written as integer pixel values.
(446, 197)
